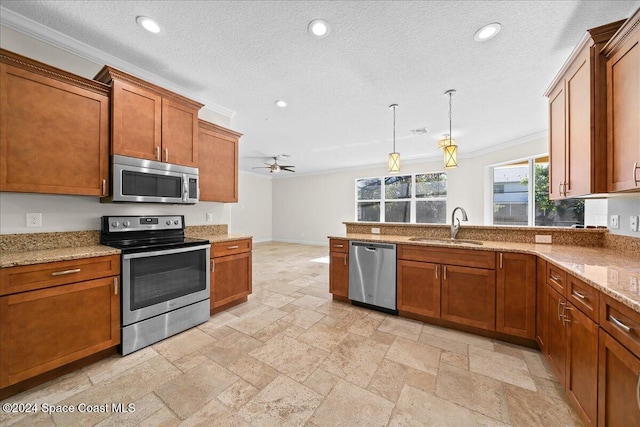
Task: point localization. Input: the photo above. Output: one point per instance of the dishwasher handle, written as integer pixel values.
(373, 246)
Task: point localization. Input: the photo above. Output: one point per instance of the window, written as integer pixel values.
(417, 198)
(519, 200)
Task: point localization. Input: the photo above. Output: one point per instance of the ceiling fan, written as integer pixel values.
(275, 167)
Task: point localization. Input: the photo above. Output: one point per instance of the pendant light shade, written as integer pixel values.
(447, 143)
(394, 158)
(450, 156)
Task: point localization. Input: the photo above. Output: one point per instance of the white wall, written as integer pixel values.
(625, 206)
(307, 209)
(253, 213)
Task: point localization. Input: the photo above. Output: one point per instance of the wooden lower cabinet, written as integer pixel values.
(231, 278)
(47, 328)
(618, 384)
(556, 351)
(418, 285)
(339, 274)
(541, 305)
(468, 296)
(582, 363)
(516, 294)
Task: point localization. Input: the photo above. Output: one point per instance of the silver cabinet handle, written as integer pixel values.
(560, 312)
(500, 259)
(619, 324)
(565, 318)
(345, 260)
(338, 246)
(556, 278)
(437, 268)
(104, 187)
(115, 286)
(62, 273)
(444, 268)
(233, 247)
(158, 153)
(635, 168)
(638, 391)
(578, 294)
(213, 265)
(166, 155)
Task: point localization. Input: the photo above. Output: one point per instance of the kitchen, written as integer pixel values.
(303, 210)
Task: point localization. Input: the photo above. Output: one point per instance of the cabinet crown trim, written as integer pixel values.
(622, 34)
(202, 124)
(107, 74)
(28, 64)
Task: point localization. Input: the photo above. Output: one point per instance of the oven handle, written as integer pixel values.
(166, 252)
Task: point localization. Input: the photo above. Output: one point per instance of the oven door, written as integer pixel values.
(157, 282)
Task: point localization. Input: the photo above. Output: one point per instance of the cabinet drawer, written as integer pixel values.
(586, 298)
(440, 255)
(337, 245)
(230, 247)
(621, 322)
(556, 278)
(38, 276)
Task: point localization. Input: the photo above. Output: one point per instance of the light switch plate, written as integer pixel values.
(209, 217)
(614, 222)
(375, 230)
(34, 220)
(633, 222)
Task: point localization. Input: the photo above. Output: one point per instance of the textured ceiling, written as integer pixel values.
(245, 55)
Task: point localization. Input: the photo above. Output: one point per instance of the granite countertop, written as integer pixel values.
(41, 256)
(612, 272)
(217, 238)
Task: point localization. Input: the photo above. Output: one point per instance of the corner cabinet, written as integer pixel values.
(218, 163)
(54, 134)
(56, 313)
(578, 119)
(231, 273)
(339, 269)
(149, 122)
(623, 107)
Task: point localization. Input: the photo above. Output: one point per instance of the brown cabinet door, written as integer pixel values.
(339, 274)
(623, 121)
(469, 296)
(541, 305)
(218, 163)
(136, 121)
(557, 140)
(556, 333)
(48, 328)
(579, 94)
(516, 294)
(54, 135)
(418, 286)
(179, 133)
(618, 384)
(230, 278)
(582, 364)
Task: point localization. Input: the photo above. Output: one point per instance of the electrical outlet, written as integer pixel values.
(612, 275)
(34, 220)
(543, 238)
(633, 222)
(633, 284)
(375, 230)
(614, 222)
(209, 217)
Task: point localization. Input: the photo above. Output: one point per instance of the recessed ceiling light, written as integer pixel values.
(148, 24)
(487, 32)
(319, 28)
(280, 103)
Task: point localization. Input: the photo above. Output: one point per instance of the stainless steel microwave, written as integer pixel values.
(148, 181)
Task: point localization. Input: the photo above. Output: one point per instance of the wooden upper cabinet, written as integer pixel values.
(54, 130)
(218, 160)
(150, 122)
(623, 107)
(578, 119)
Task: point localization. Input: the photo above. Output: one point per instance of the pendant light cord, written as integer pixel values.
(394, 128)
(450, 136)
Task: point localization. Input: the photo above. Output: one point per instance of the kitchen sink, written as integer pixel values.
(454, 242)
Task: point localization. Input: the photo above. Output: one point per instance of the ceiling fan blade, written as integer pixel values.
(261, 167)
(288, 170)
(287, 166)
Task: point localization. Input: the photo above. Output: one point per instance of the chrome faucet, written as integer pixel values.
(456, 227)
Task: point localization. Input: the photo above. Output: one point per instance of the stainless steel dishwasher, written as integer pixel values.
(372, 275)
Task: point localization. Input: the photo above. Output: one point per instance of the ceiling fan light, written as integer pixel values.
(394, 162)
(450, 156)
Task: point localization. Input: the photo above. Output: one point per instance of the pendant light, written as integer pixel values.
(449, 145)
(394, 158)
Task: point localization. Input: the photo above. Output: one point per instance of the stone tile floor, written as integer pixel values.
(292, 356)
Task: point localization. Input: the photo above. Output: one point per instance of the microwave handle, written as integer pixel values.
(185, 188)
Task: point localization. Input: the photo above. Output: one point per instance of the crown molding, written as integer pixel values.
(35, 30)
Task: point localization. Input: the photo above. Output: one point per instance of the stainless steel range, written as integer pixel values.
(165, 277)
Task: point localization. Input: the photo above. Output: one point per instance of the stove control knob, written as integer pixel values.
(115, 224)
(176, 222)
(126, 223)
(168, 222)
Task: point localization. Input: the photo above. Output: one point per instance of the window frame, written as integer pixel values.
(383, 198)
